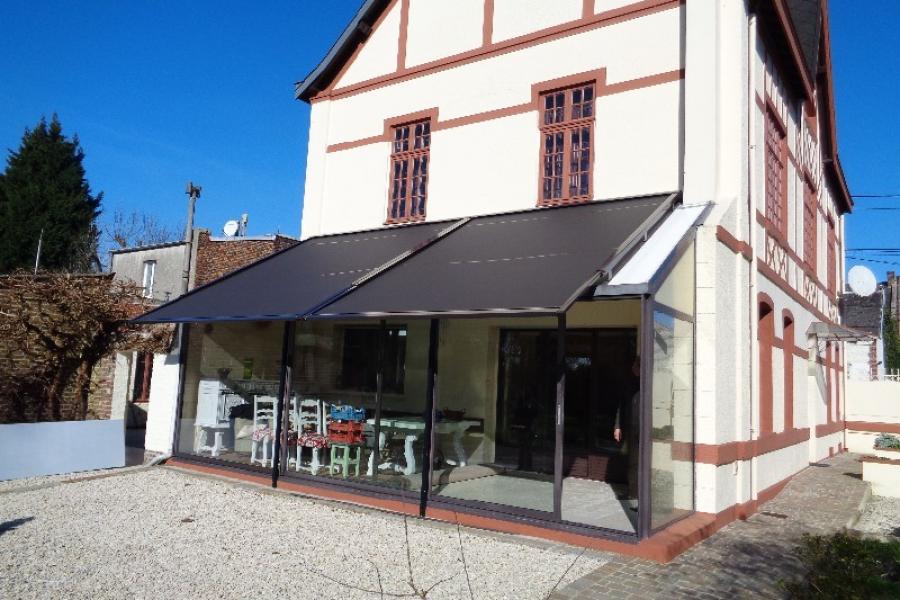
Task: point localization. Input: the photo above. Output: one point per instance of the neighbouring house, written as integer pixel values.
(145, 385)
(567, 268)
(865, 357)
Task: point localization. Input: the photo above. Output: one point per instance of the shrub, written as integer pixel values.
(847, 567)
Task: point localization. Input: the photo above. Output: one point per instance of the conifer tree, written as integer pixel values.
(44, 188)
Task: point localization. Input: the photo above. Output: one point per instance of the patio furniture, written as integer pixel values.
(343, 457)
(265, 409)
(213, 396)
(312, 419)
(412, 428)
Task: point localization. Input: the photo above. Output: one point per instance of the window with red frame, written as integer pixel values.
(410, 155)
(810, 216)
(776, 184)
(832, 259)
(567, 142)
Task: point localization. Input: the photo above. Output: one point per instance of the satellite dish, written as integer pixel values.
(861, 281)
(231, 228)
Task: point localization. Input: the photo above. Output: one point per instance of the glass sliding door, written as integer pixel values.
(495, 417)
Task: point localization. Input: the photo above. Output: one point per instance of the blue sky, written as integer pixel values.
(162, 92)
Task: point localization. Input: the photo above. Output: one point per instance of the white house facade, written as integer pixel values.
(569, 268)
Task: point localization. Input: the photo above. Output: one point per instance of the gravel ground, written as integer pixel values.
(163, 533)
(881, 516)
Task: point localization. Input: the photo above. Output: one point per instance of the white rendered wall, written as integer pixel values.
(378, 55)
(440, 29)
(513, 18)
(347, 189)
(163, 403)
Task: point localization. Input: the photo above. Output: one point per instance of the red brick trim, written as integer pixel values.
(827, 429)
(766, 341)
(587, 9)
(598, 75)
(787, 320)
(729, 452)
(874, 427)
(487, 26)
(603, 19)
(775, 278)
(404, 31)
(733, 244)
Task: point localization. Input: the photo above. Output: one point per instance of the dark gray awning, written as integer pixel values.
(292, 283)
(536, 261)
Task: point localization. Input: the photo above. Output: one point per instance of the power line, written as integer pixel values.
(873, 260)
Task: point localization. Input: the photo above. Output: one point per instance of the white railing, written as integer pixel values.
(893, 375)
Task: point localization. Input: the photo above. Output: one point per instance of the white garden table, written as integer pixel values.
(412, 429)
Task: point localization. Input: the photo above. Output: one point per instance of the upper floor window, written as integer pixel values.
(567, 141)
(810, 216)
(776, 182)
(149, 276)
(832, 259)
(409, 172)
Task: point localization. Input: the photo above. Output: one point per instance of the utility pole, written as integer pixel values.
(193, 193)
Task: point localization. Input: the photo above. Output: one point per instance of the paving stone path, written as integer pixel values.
(745, 559)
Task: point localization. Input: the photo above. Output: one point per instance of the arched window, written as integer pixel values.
(788, 321)
(765, 338)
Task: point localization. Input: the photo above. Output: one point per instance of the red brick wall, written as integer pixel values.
(218, 258)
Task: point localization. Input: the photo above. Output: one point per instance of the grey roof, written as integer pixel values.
(356, 31)
(148, 247)
(863, 313)
(807, 18)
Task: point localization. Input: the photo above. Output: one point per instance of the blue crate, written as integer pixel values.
(347, 413)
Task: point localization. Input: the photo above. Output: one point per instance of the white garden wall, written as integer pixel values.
(33, 449)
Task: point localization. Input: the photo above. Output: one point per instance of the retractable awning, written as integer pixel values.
(534, 261)
(290, 284)
(537, 261)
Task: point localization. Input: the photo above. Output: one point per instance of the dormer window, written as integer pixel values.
(567, 138)
(410, 154)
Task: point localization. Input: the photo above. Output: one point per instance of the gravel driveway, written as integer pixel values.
(162, 533)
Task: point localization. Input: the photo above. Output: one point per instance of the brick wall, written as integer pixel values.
(220, 257)
(29, 409)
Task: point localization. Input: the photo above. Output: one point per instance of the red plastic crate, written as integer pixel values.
(345, 433)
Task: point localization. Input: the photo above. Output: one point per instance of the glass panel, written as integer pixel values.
(335, 378)
(677, 291)
(672, 427)
(672, 401)
(496, 428)
(602, 415)
(231, 384)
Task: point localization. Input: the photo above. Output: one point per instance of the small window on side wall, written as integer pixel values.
(567, 145)
(149, 276)
(410, 158)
